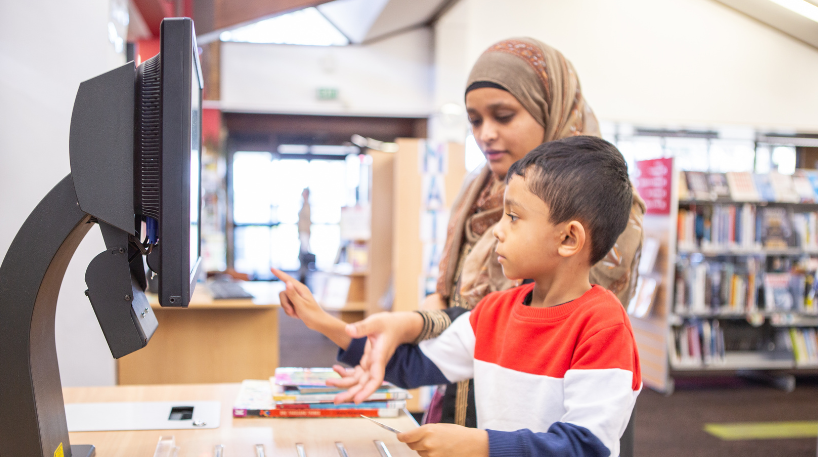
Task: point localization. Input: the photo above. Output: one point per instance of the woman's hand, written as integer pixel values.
(384, 332)
(446, 440)
(433, 302)
(298, 302)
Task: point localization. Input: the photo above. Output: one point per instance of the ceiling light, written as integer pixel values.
(802, 7)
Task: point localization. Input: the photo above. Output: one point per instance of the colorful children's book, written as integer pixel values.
(306, 377)
(783, 188)
(803, 187)
(255, 399)
(684, 192)
(281, 395)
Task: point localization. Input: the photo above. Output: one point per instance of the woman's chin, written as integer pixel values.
(499, 168)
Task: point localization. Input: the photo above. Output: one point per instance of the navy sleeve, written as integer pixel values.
(561, 440)
(407, 368)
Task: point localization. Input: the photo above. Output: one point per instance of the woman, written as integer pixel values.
(520, 93)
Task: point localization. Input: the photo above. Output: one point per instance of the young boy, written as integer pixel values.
(554, 362)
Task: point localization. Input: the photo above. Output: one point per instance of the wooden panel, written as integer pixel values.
(408, 260)
(381, 225)
(239, 436)
(206, 345)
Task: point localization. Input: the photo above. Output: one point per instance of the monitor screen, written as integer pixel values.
(195, 165)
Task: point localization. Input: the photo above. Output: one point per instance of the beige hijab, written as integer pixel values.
(546, 84)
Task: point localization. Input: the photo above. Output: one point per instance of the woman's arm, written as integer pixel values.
(298, 302)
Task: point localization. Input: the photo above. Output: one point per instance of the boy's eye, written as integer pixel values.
(513, 217)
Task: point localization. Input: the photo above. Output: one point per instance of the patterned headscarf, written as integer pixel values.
(545, 83)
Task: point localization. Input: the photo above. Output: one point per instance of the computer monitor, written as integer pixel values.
(168, 161)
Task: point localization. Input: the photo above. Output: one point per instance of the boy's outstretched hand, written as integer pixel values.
(446, 440)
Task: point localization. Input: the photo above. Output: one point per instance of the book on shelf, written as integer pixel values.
(803, 187)
(783, 187)
(776, 229)
(718, 227)
(742, 187)
(803, 343)
(697, 185)
(643, 296)
(719, 190)
(708, 288)
(764, 187)
(696, 343)
(684, 192)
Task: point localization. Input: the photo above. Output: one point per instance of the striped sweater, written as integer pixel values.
(556, 381)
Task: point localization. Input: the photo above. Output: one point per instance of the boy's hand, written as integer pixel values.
(446, 440)
(298, 302)
(384, 332)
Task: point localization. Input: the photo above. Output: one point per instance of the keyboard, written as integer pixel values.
(222, 290)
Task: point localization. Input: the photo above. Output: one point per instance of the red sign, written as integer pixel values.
(653, 183)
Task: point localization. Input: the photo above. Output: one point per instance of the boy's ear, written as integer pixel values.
(573, 238)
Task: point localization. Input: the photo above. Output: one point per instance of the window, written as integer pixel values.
(267, 198)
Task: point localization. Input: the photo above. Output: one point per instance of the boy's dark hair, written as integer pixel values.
(583, 178)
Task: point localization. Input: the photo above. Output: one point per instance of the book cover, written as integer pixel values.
(764, 187)
(742, 187)
(777, 294)
(776, 229)
(803, 188)
(718, 186)
(783, 187)
(697, 185)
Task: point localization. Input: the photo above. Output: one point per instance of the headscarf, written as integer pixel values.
(545, 83)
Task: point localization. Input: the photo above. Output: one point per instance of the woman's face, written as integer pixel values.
(503, 129)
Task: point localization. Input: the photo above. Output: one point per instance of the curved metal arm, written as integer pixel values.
(32, 413)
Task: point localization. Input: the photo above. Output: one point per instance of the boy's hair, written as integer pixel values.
(584, 178)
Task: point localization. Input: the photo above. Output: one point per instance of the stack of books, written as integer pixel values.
(302, 392)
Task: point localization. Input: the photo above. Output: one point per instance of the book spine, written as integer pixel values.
(325, 398)
(367, 405)
(304, 413)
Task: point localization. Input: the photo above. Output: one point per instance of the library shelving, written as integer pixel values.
(730, 262)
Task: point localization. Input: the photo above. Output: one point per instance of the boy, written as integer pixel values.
(554, 362)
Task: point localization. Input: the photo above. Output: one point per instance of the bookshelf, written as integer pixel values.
(734, 268)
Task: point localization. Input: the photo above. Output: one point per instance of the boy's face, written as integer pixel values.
(530, 246)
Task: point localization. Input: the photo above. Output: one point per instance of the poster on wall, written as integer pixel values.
(653, 182)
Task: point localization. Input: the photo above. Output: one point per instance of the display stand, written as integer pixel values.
(99, 190)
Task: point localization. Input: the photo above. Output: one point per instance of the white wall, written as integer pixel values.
(46, 49)
(668, 62)
(392, 77)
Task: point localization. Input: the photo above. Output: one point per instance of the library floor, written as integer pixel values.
(665, 426)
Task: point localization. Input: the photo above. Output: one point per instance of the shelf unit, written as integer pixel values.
(654, 332)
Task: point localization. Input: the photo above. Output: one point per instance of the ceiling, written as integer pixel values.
(364, 21)
(778, 17)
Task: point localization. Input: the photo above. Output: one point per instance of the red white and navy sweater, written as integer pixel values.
(558, 381)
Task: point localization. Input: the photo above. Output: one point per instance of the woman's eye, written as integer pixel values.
(475, 122)
(504, 118)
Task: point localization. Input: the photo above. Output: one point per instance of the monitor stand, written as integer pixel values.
(83, 450)
(32, 417)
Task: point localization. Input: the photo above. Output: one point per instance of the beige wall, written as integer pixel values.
(668, 62)
(46, 49)
(391, 77)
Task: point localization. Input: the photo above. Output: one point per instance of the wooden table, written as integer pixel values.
(210, 341)
(239, 436)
